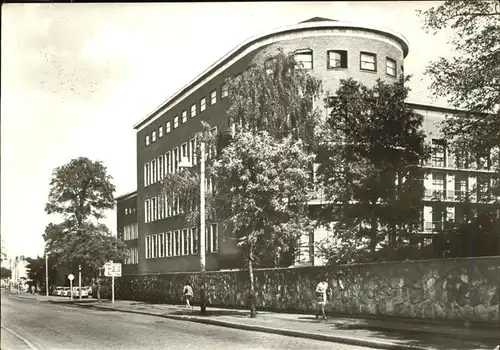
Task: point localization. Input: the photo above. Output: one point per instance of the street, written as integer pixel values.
(31, 324)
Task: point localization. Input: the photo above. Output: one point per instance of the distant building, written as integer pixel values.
(330, 50)
(128, 229)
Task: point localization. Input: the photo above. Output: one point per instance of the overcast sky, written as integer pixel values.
(77, 77)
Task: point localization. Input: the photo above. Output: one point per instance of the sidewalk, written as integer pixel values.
(381, 333)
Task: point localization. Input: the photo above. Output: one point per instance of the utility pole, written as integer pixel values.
(186, 164)
(46, 273)
(203, 305)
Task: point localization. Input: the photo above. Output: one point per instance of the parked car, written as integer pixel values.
(58, 291)
(66, 292)
(89, 289)
(76, 292)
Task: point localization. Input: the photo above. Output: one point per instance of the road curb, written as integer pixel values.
(272, 330)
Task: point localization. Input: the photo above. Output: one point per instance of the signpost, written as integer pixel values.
(112, 270)
(71, 278)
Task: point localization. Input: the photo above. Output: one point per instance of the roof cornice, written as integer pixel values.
(399, 38)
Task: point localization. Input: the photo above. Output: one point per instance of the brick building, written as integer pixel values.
(330, 50)
(128, 229)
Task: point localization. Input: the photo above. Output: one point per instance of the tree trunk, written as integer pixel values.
(98, 289)
(253, 313)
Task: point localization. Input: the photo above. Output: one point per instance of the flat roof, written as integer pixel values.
(128, 194)
(313, 23)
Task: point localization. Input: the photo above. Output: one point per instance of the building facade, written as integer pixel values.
(330, 51)
(128, 230)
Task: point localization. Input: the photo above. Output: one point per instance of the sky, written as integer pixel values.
(77, 77)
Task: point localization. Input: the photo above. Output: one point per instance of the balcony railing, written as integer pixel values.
(433, 226)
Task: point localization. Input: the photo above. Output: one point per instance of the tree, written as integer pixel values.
(80, 190)
(6, 273)
(277, 97)
(269, 167)
(470, 79)
(369, 157)
(89, 245)
(262, 193)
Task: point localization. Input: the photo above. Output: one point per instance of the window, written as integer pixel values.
(161, 210)
(213, 97)
(214, 238)
(212, 151)
(148, 247)
(176, 121)
(147, 140)
(184, 116)
(153, 171)
(185, 242)
(176, 247)
(153, 136)
(154, 246)
(195, 240)
(146, 174)
(147, 215)
(161, 244)
(368, 61)
(203, 104)
(224, 90)
(390, 67)
(161, 167)
(168, 243)
(483, 188)
(438, 149)
(175, 160)
(168, 162)
(169, 206)
(154, 209)
(160, 131)
(192, 151)
(304, 59)
(337, 59)
(460, 187)
(184, 150)
(193, 110)
(438, 185)
(167, 127)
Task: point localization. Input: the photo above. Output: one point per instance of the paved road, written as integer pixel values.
(31, 324)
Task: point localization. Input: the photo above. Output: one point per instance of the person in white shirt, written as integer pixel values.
(321, 289)
(187, 293)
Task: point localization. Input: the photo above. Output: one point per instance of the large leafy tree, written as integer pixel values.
(89, 245)
(470, 81)
(263, 193)
(369, 155)
(79, 190)
(268, 168)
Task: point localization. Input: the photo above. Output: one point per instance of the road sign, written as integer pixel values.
(71, 277)
(113, 270)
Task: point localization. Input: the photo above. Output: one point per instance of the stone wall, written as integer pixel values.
(452, 289)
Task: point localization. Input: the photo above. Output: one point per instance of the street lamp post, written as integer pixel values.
(186, 164)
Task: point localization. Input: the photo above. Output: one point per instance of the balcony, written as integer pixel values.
(317, 196)
(433, 226)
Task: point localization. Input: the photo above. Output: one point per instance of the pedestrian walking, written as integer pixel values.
(321, 289)
(33, 290)
(187, 293)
